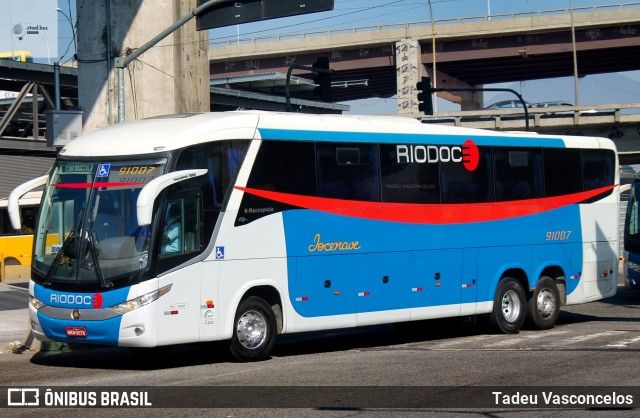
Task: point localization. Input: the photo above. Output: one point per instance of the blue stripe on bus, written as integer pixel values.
(98, 332)
(395, 138)
(77, 300)
(104, 332)
(632, 274)
(340, 265)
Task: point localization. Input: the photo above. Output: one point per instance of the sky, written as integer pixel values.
(31, 25)
(595, 89)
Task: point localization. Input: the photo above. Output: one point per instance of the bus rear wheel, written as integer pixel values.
(508, 313)
(254, 330)
(543, 307)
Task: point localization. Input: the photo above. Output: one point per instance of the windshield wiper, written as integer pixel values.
(92, 242)
(61, 253)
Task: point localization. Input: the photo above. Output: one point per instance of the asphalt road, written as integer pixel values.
(412, 371)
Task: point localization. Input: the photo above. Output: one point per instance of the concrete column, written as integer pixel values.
(172, 77)
(408, 67)
(467, 100)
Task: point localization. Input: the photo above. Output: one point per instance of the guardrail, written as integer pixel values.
(618, 113)
(407, 25)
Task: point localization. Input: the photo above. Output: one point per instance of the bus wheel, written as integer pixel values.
(544, 306)
(508, 307)
(254, 330)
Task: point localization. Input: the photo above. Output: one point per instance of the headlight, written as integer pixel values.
(36, 303)
(140, 301)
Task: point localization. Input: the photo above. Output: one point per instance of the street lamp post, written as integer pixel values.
(73, 31)
(433, 52)
(575, 56)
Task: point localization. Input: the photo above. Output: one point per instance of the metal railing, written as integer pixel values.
(407, 25)
(617, 114)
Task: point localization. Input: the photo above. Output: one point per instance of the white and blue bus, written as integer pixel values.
(292, 222)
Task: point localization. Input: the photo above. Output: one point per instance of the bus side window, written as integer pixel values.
(280, 166)
(181, 228)
(28, 216)
(407, 182)
(597, 169)
(4, 221)
(518, 173)
(459, 185)
(560, 168)
(348, 171)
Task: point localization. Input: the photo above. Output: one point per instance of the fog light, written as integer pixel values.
(139, 331)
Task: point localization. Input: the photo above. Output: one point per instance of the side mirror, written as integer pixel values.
(152, 189)
(13, 206)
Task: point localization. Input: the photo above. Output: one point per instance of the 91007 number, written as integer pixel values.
(136, 170)
(558, 235)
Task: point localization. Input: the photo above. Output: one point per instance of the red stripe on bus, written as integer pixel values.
(97, 185)
(458, 213)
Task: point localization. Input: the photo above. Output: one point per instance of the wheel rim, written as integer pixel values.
(545, 303)
(511, 306)
(252, 329)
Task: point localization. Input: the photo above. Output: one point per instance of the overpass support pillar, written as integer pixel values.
(172, 77)
(468, 100)
(408, 71)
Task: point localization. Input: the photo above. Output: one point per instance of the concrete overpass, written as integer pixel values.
(469, 52)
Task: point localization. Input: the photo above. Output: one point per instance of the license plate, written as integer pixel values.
(76, 332)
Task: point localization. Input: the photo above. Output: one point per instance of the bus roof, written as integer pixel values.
(158, 134)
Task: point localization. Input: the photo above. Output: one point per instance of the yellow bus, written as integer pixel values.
(16, 246)
(21, 56)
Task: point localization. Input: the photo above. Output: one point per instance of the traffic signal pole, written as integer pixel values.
(524, 104)
(425, 103)
(315, 69)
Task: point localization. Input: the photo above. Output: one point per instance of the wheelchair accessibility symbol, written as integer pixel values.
(219, 253)
(103, 170)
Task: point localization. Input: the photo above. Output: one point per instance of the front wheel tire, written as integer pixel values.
(509, 311)
(254, 330)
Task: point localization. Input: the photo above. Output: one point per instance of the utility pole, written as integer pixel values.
(575, 56)
(122, 62)
(171, 78)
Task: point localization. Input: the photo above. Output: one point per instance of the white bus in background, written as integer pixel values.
(292, 222)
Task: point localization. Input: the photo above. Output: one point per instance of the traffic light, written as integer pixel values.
(425, 102)
(322, 78)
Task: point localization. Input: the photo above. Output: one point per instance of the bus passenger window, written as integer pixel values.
(518, 173)
(560, 168)
(280, 166)
(597, 169)
(404, 181)
(28, 216)
(460, 185)
(348, 171)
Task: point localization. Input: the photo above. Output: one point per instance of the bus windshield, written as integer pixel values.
(87, 231)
